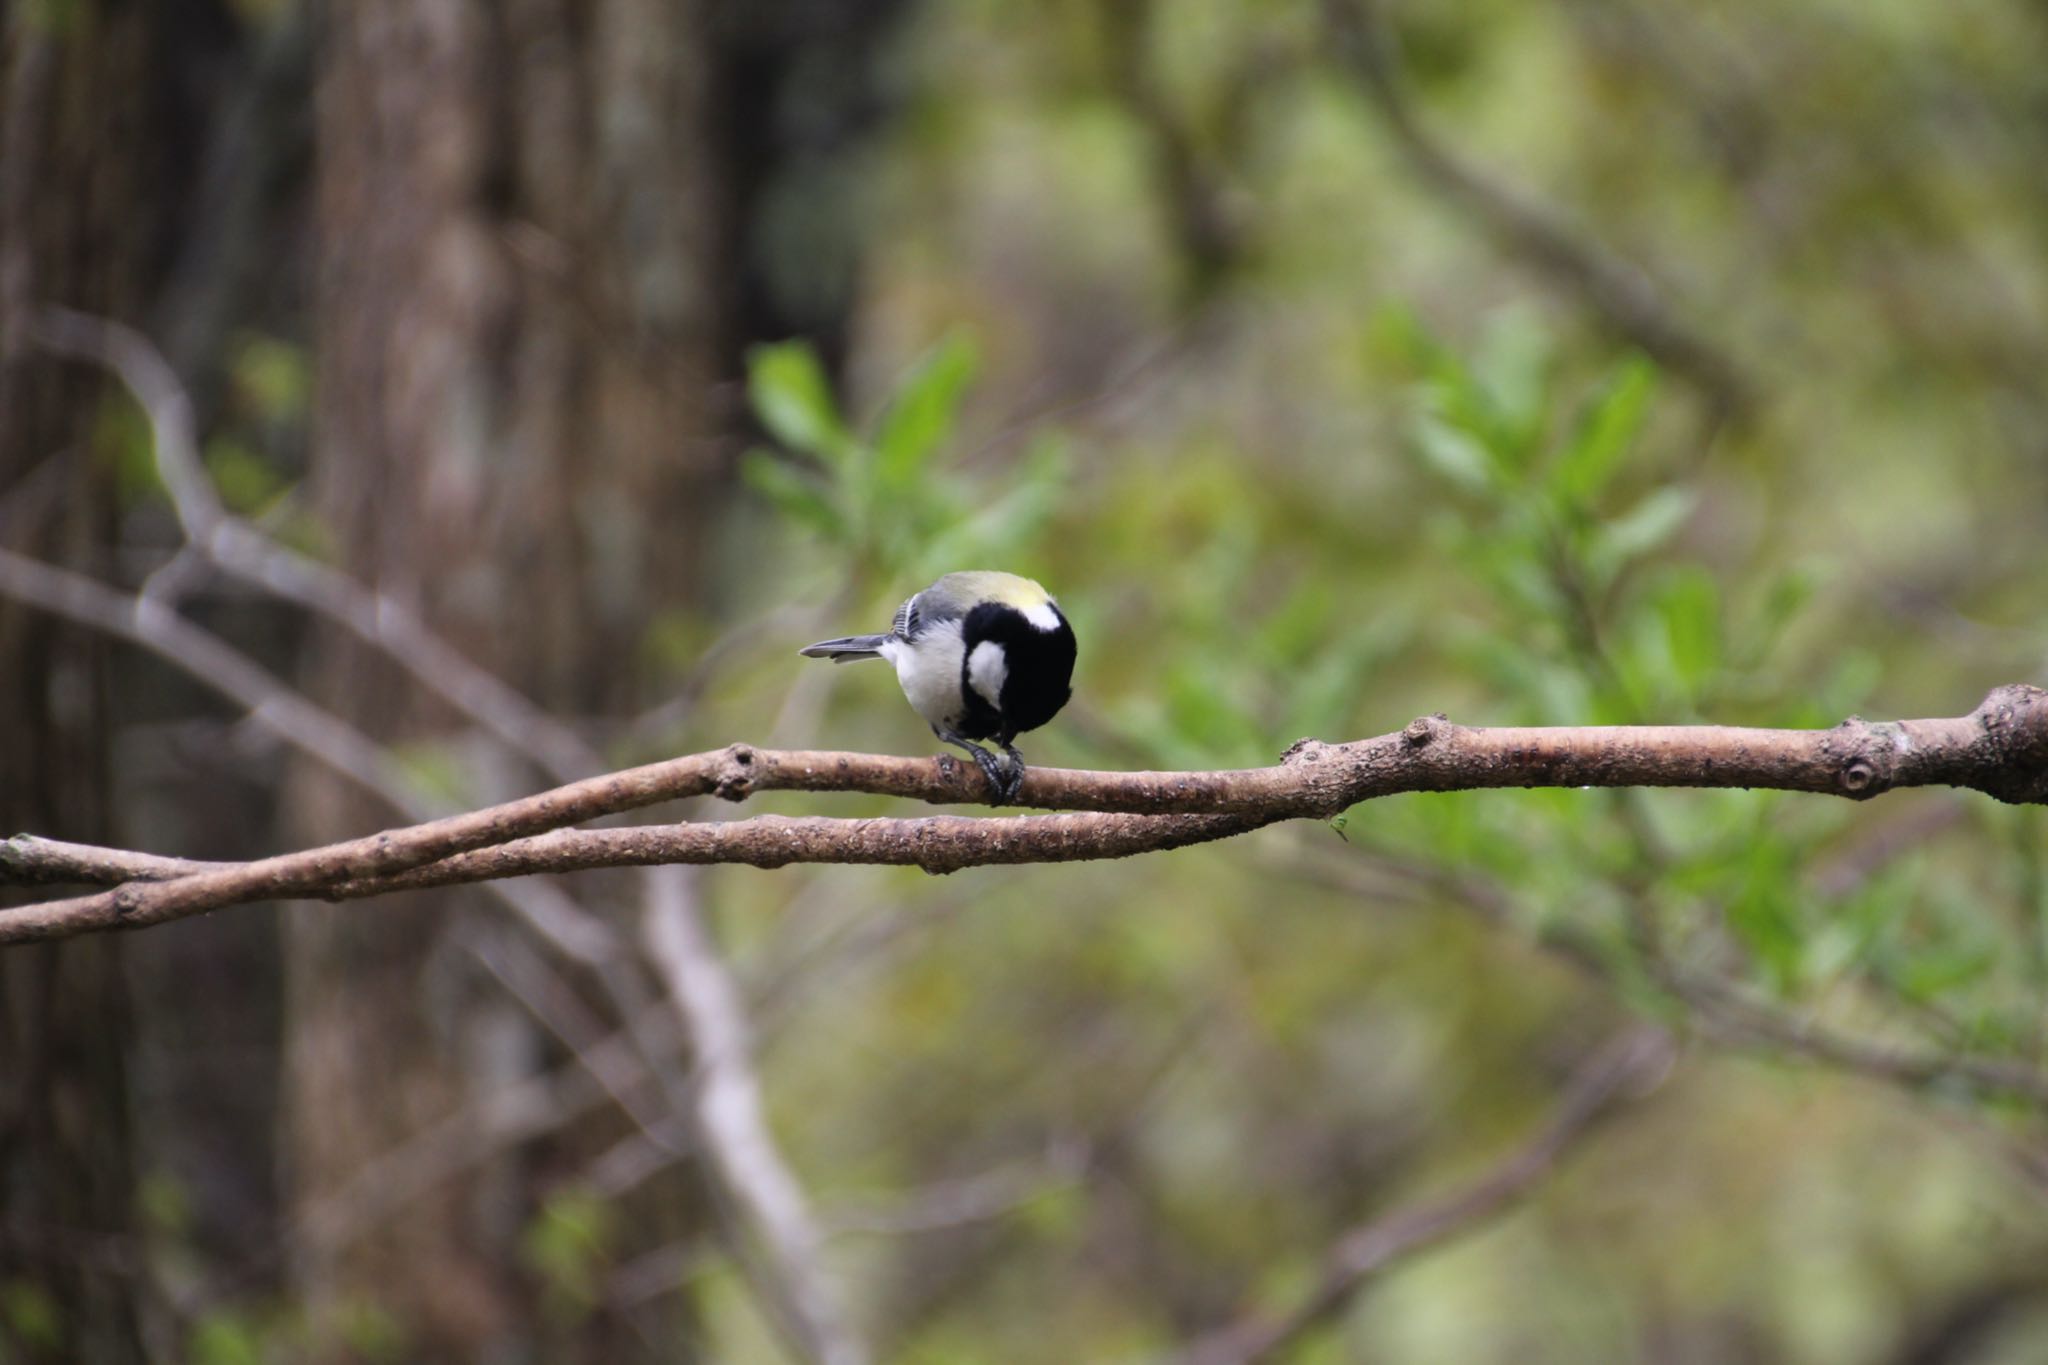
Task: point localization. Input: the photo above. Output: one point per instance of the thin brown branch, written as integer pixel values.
(935, 843)
(31, 860)
(1617, 1072)
(2001, 748)
(283, 711)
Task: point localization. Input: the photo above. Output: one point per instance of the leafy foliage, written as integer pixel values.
(1567, 575)
(885, 499)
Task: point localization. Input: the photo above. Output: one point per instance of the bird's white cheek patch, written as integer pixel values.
(1043, 616)
(987, 669)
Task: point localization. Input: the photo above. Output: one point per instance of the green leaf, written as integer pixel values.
(793, 494)
(1007, 529)
(224, 1339)
(434, 768)
(793, 398)
(370, 1331)
(276, 377)
(1455, 454)
(1849, 683)
(1690, 607)
(1395, 330)
(31, 1315)
(1763, 917)
(1513, 370)
(245, 482)
(164, 1203)
(1639, 530)
(1766, 624)
(122, 438)
(921, 416)
(568, 1244)
(1929, 973)
(1606, 433)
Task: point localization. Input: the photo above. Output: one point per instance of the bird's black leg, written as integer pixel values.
(1016, 782)
(1000, 788)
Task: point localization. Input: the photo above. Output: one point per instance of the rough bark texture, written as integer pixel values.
(518, 325)
(73, 114)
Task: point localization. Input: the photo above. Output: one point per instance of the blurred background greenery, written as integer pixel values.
(1592, 361)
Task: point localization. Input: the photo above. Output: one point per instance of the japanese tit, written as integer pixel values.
(980, 656)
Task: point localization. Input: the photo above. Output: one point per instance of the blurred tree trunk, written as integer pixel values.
(519, 321)
(76, 202)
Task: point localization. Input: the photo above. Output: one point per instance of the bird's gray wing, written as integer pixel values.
(927, 609)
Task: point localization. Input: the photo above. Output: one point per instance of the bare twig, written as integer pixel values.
(731, 1118)
(536, 1105)
(946, 1204)
(1728, 1016)
(1719, 1009)
(1621, 293)
(228, 543)
(1618, 1071)
(969, 1199)
(284, 712)
(273, 705)
(238, 548)
(552, 1000)
(502, 712)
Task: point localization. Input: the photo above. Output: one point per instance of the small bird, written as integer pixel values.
(980, 656)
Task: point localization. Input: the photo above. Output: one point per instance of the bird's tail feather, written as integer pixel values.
(846, 650)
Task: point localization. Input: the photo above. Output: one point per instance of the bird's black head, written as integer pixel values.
(1017, 668)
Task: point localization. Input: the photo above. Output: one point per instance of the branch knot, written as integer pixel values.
(1424, 730)
(735, 780)
(1871, 763)
(2014, 719)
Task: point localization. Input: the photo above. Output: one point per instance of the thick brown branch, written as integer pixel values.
(2001, 748)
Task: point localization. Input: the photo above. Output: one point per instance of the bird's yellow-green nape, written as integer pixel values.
(988, 585)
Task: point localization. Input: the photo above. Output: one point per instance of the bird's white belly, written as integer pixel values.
(929, 671)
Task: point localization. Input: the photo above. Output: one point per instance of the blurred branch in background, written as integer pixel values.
(232, 545)
(730, 1115)
(1282, 340)
(2002, 748)
(724, 1101)
(1621, 293)
(1715, 1004)
(1625, 1069)
(1209, 227)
